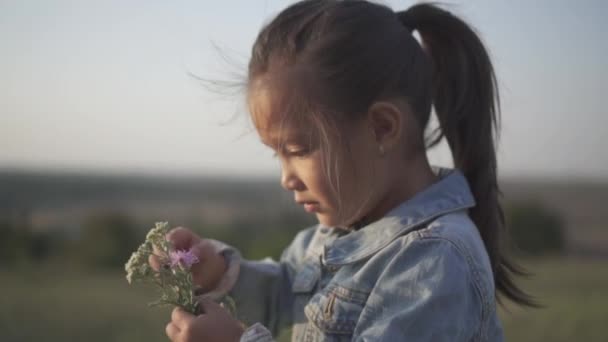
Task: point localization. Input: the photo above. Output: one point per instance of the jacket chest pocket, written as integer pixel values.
(305, 281)
(306, 278)
(333, 313)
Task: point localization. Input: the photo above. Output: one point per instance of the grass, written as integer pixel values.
(50, 306)
(574, 294)
(53, 306)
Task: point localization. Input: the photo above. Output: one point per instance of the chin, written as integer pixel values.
(327, 220)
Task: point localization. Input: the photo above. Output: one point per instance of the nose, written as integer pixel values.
(289, 180)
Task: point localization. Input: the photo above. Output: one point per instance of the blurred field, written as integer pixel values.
(58, 306)
(575, 296)
(92, 223)
(52, 305)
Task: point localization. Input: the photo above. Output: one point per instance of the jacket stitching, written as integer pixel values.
(476, 280)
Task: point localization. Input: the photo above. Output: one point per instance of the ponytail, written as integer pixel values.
(466, 102)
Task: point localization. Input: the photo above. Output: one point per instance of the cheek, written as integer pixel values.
(316, 180)
(360, 178)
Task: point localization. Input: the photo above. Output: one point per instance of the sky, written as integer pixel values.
(107, 86)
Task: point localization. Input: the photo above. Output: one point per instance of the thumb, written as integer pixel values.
(210, 268)
(182, 238)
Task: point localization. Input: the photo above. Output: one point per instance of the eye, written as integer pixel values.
(295, 152)
(298, 152)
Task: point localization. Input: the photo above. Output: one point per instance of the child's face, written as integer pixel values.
(302, 167)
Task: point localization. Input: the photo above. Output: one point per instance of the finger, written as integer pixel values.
(181, 318)
(157, 251)
(154, 262)
(157, 258)
(209, 306)
(208, 265)
(172, 331)
(202, 250)
(182, 238)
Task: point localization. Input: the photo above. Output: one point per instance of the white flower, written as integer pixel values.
(157, 234)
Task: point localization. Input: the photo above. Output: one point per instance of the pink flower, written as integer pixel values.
(184, 258)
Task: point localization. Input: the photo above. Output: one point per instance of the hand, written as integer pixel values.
(211, 266)
(214, 325)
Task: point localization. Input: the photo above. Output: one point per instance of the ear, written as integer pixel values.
(386, 122)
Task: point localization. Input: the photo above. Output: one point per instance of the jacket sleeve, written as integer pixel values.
(261, 290)
(427, 292)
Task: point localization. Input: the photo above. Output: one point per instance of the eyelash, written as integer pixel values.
(297, 154)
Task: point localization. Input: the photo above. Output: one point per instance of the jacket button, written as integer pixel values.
(332, 268)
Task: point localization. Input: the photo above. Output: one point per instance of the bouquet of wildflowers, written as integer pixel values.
(173, 279)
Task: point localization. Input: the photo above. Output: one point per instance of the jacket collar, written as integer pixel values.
(450, 193)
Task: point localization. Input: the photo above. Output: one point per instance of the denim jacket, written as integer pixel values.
(420, 273)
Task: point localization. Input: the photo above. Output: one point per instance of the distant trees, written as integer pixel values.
(260, 237)
(19, 244)
(13, 244)
(106, 239)
(535, 229)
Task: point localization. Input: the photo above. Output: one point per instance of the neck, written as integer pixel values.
(403, 185)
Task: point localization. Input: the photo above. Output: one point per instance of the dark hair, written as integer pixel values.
(360, 52)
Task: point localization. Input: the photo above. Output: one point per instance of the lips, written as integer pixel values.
(309, 206)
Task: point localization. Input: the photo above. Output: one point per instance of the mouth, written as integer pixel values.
(310, 206)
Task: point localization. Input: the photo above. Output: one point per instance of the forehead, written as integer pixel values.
(277, 117)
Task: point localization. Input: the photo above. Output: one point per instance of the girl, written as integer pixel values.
(343, 92)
